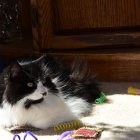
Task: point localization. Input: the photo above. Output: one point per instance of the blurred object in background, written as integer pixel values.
(9, 21)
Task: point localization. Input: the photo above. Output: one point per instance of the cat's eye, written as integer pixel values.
(30, 84)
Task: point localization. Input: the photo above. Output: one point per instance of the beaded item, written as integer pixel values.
(67, 126)
(101, 99)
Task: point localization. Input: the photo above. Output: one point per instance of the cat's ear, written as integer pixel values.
(15, 69)
(40, 60)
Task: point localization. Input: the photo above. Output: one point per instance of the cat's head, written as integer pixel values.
(18, 85)
(28, 82)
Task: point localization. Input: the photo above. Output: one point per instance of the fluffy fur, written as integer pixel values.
(43, 92)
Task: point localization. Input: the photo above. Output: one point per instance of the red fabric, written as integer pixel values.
(86, 132)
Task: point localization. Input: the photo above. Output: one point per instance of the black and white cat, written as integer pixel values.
(43, 92)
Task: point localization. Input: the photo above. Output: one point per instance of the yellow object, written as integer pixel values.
(134, 91)
(67, 126)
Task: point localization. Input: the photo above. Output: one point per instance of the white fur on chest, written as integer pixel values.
(50, 112)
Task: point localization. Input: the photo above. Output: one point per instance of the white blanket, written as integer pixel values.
(119, 117)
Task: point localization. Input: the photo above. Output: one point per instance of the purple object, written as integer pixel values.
(26, 134)
(31, 134)
(16, 136)
(65, 134)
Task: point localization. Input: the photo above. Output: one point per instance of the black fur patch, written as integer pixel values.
(30, 102)
(15, 81)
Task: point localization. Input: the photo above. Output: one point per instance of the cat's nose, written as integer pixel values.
(44, 93)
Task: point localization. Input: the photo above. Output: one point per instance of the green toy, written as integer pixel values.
(101, 99)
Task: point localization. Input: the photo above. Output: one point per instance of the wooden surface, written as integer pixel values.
(20, 48)
(43, 33)
(75, 24)
(25, 18)
(92, 41)
(84, 14)
(108, 66)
